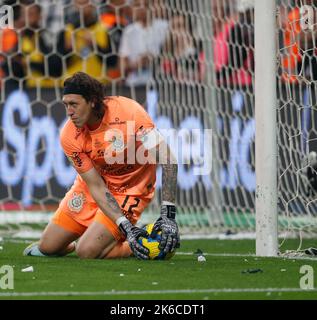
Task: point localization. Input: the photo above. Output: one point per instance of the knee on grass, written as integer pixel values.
(87, 251)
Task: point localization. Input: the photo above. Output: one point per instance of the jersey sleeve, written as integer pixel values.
(146, 132)
(74, 152)
(142, 118)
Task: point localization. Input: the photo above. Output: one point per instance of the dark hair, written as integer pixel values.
(91, 89)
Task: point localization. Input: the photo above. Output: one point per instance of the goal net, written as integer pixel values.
(296, 115)
(193, 70)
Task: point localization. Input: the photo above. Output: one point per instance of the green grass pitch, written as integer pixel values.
(222, 276)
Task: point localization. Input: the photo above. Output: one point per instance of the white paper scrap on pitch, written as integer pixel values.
(28, 269)
(201, 259)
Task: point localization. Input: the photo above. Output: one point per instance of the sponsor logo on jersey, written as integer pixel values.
(116, 121)
(75, 159)
(100, 153)
(118, 189)
(115, 171)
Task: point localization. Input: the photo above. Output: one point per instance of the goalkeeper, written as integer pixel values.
(113, 145)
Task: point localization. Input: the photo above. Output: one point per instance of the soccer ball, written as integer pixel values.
(153, 245)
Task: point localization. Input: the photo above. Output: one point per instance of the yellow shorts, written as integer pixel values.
(78, 210)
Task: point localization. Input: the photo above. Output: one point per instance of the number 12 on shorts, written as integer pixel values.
(131, 206)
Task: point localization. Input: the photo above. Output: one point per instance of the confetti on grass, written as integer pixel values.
(28, 269)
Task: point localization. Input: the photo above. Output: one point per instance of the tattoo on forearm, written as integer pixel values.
(112, 202)
(169, 182)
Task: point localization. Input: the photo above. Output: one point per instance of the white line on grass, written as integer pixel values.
(217, 254)
(10, 240)
(144, 292)
(310, 258)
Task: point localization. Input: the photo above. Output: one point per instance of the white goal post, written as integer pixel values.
(266, 195)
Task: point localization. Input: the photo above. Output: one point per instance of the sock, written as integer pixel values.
(120, 250)
(35, 251)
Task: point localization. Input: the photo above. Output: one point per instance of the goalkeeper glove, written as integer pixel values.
(132, 233)
(311, 170)
(166, 223)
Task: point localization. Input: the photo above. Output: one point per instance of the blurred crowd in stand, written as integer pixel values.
(129, 41)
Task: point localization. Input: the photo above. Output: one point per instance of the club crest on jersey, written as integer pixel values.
(76, 202)
(117, 144)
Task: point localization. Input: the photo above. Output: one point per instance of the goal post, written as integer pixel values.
(266, 195)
